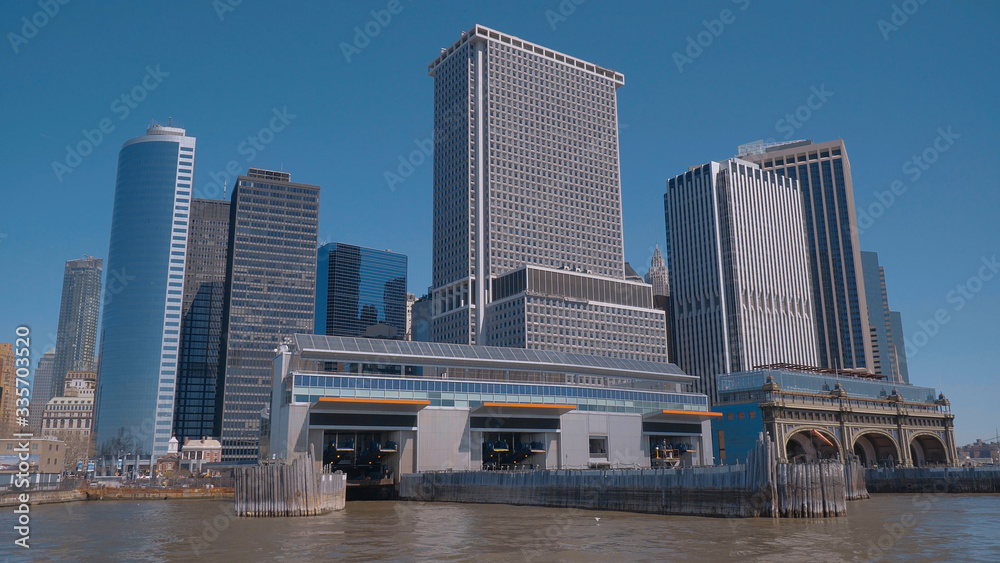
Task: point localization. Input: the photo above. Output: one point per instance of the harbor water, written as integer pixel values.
(904, 527)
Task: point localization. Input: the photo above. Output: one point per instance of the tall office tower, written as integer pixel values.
(270, 294)
(41, 390)
(739, 277)
(896, 320)
(841, 310)
(360, 292)
(880, 317)
(142, 296)
(76, 338)
(657, 275)
(201, 319)
(8, 392)
(527, 204)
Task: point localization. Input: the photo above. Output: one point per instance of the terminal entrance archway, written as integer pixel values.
(806, 446)
(926, 450)
(361, 455)
(513, 450)
(876, 450)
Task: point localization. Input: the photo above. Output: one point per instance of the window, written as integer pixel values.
(599, 447)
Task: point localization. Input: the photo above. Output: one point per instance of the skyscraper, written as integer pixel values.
(896, 321)
(360, 292)
(880, 317)
(841, 310)
(8, 391)
(657, 276)
(201, 319)
(41, 389)
(527, 204)
(739, 281)
(270, 294)
(76, 338)
(142, 297)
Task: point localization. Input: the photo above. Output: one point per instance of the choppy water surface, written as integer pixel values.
(885, 528)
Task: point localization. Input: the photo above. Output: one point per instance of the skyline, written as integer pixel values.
(390, 71)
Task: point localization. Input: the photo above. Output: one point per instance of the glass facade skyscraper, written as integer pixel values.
(360, 292)
(201, 319)
(143, 291)
(270, 294)
(890, 343)
(77, 334)
(841, 311)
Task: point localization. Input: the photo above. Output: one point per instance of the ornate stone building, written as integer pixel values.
(816, 413)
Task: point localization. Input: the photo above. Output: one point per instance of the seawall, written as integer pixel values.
(935, 479)
(109, 493)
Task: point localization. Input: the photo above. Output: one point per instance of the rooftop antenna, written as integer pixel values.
(224, 186)
(170, 120)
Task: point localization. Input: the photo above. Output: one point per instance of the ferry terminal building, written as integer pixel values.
(377, 409)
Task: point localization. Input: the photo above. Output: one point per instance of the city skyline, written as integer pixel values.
(957, 284)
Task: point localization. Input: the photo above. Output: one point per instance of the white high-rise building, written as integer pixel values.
(739, 271)
(657, 276)
(528, 247)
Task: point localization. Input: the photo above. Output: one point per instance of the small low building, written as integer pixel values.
(195, 454)
(818, 413)
(380, 408)
(44, 456)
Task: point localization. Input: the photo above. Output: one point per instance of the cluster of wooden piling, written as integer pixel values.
(288, 489)
(854, 479)
(761, 487)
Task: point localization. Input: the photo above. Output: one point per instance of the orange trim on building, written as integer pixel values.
(374, 401)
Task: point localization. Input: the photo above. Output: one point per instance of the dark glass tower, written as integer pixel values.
(839, 301)
(142, 297)
(201, 321)
(270, 294)
(360, 292)
(77, 334)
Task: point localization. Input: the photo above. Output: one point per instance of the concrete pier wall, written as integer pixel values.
(933, 479)
(761, 487)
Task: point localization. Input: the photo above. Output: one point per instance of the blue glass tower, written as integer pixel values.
(360, 292)
(143, 291)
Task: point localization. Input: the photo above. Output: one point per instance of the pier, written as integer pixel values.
(762, 487)
(933, 480)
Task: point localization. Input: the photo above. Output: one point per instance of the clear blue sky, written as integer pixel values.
(352, 120)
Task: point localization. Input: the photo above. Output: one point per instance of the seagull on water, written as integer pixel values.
(598, 518)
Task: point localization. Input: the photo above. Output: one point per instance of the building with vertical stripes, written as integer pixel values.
(739, 277)
(79, 308)
(840, 307)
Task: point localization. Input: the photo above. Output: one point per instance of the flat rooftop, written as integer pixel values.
(336, 348)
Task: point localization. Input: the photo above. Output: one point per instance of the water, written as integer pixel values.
(887, 528)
